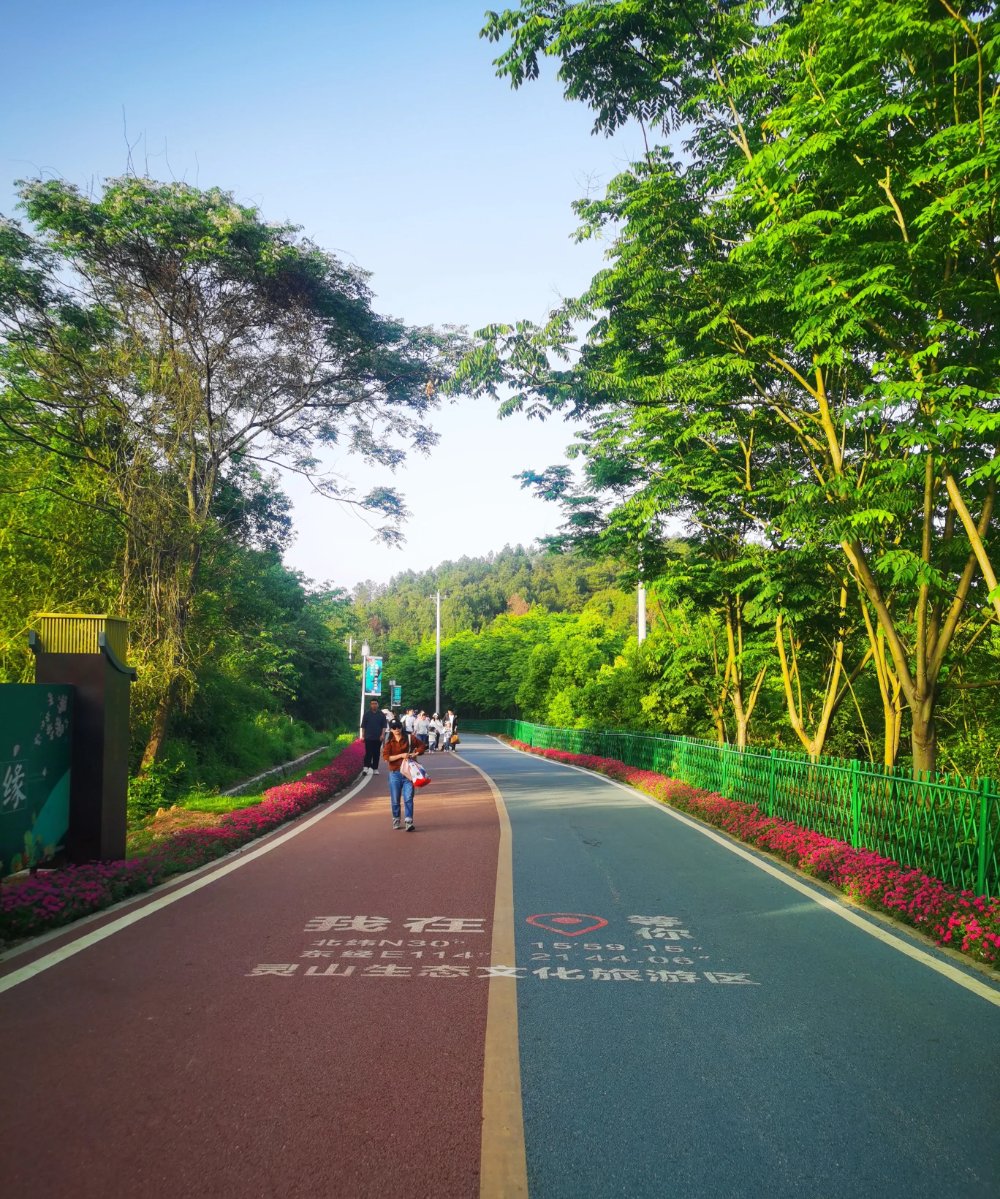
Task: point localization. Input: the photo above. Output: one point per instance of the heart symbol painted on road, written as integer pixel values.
(569, 924)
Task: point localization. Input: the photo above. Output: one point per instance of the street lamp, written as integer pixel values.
(364, 665)
(641, 633)
(641, 603)
(437, 661)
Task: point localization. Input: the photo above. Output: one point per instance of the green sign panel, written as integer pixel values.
(373, 676)
(34, 772)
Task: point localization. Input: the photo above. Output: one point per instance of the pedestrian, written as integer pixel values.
(373, 725)
(400, 746)
(434, 733)
(452, 727)
(422, 727)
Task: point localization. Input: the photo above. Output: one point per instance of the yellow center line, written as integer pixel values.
(503, 1171)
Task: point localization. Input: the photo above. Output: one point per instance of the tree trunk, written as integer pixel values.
(892, 714)
(923, 735)
(791, 681)
(161, 722)
(920, 686)
(889, 686)
(175, 612)
(742, 707)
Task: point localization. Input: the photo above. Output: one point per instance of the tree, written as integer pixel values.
(163, 337)
(58, 547)
(814, 281)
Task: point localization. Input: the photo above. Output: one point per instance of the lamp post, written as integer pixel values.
(437, 661)
(364, 666)
(641, 603)
(641, 634)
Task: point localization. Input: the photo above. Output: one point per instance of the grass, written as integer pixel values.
(147, 832)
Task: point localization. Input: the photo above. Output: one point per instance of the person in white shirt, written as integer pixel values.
(422, 727)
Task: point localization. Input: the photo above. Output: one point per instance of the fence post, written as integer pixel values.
(772, 781)
(984, 828)
(855, 805)
(725, 771)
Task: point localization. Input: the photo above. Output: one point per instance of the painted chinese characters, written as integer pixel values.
(14, 794)
(413, 924)
(424, 953)
(656, 950)
(34, 772)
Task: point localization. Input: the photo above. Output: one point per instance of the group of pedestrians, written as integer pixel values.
(399, 740)
(436, 732)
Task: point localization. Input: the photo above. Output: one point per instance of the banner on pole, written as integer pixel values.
(373, 676)
(396, 695)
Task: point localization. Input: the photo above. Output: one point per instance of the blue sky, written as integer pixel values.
(382, 130)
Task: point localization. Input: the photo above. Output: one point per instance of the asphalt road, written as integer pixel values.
(310, 1023)
(323, 1014)
(724, 1033)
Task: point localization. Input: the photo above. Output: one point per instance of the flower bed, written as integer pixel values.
(56, 897)
(961, 920)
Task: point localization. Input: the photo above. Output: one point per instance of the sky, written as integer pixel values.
(381, 129)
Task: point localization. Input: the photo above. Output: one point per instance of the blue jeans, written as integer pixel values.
(398, 785)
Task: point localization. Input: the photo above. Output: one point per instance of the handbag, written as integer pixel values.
(453, 739)
(413, 771)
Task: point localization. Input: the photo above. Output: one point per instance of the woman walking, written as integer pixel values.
(400, 747)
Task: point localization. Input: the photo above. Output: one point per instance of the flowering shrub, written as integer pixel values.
(959, 919)
(59, 896)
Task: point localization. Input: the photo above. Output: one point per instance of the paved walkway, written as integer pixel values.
(553, 987)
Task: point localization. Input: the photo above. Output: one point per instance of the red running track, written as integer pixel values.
(258, 1037)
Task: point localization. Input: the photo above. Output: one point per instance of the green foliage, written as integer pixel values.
(794, 344)
(474, 591)
(156, 341)
(492, 612)
(157, 788)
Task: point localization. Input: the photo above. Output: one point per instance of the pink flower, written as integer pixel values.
(861, 873)
(30, 907)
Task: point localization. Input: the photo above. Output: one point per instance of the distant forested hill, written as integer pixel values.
(474, 591)
(523, 632)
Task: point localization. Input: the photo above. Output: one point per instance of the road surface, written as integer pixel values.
(553, 987)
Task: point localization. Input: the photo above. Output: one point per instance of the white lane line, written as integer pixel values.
(108, 930)
(982, 989)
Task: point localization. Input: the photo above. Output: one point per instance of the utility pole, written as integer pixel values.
(642, 613)
(641, 603)
(437, 660)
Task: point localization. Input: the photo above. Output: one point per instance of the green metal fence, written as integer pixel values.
(946, 827)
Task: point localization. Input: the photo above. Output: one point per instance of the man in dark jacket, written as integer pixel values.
(373, 726)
